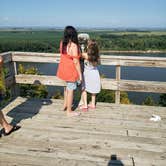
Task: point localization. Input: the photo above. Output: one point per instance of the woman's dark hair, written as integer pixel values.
(70, 34)
(93, 52)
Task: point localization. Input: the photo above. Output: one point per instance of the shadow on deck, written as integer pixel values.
(112, 135)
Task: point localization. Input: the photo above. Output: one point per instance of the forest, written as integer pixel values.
(48, 41)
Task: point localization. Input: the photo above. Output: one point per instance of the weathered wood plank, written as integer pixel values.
(122, 85)
(38, 79)
(8, 159)
(142, 86)
(91, 139)
(105, 59)
(35, 57)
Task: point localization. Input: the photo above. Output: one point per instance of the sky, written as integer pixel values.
(83, 13)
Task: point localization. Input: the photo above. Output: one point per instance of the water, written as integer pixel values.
(127, 73)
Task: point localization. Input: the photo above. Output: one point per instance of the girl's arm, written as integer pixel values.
(85, 56)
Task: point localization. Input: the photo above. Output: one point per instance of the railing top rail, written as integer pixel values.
(102, 56)
(105, 59)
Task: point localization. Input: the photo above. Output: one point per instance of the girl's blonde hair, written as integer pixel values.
(93, 52)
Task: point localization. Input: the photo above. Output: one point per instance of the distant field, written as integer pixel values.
(31, 35)
(48, 40)
(139, 33)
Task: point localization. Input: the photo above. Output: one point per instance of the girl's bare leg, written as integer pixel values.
(93, 100)
(81, 102)
(84, 97)
(65, 99)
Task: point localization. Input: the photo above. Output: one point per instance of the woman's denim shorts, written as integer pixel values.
(71, 85)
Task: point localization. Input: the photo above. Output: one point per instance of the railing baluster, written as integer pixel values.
(118, 77)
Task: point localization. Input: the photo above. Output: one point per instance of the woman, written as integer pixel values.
(7, 128)
(69, 67)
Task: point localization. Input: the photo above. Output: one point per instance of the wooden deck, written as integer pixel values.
(112, 135)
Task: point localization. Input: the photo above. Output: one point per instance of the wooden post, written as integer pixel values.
(15, 68)
(117, 93)
(15, 91)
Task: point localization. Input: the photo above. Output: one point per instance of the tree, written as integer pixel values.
(149, 101)
(35, 91)
(162, 100)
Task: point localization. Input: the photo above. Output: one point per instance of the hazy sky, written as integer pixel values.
(83, 13)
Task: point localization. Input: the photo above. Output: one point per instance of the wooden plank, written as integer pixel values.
(133, 61)
(11, 159)
(142, 86)
(105, 59)
(39, 79)
(122, 85)
(91, 139)
(35, 57)
(111, 84)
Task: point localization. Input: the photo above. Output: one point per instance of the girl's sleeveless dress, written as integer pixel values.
(92, 83)
(66, 68)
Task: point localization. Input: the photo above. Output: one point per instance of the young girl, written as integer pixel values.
(69, 67)
(91, 77)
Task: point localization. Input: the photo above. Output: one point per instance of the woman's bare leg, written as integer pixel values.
(69, 101)
(4, 123)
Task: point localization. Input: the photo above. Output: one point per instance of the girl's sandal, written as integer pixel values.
(84, 108)
(91, 107)
(73, 114)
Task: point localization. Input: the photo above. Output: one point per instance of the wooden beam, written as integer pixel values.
(35, 57)
(38, 79)
(112, 84)
(105, 59)
(142, 86)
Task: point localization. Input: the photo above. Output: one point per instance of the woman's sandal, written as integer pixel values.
(14, 128)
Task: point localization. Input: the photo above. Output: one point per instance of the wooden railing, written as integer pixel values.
(116, 84)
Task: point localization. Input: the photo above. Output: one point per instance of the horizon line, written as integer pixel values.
(79, 27)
